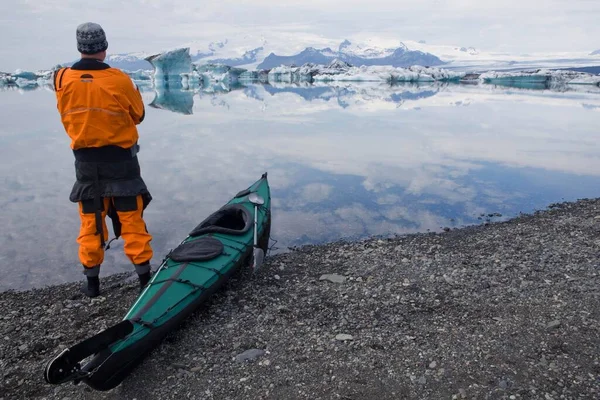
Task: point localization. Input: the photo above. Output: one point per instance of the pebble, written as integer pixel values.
(343, 337)
(250, 355)
(333, 278)
(553, 325)
(432, 365)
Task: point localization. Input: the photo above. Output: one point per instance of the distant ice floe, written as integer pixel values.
(307, 72)
(175, 69)
(393, 74)
(211, 73)
(545, 78)
(27, 79)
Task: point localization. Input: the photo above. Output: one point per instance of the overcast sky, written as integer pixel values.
(38, 34)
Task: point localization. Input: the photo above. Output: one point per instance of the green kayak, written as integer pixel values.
(235, 235)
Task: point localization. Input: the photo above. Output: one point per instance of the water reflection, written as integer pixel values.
(179, 98)
(173, 98)
(344, 161)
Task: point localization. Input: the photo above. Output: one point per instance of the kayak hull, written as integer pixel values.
(114, 367)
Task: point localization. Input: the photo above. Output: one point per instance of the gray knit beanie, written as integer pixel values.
(91, 38)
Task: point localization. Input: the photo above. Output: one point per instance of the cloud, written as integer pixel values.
(39, 34)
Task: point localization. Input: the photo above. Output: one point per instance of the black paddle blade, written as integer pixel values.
(66, 366)
(62, 369)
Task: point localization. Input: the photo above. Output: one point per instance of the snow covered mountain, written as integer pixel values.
(129, 61)
(398, 57)
(273, 49)
(263, 54)
(125, 61)
(595, 53)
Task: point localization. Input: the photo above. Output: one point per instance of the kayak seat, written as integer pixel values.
(233, 219)
(202, 249)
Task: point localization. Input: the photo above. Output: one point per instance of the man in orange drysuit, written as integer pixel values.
(100, 107)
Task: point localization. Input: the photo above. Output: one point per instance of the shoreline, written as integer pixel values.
(502, 310)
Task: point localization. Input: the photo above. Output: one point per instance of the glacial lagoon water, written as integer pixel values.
(344, 162)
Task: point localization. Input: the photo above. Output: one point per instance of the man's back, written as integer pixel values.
(99, 105)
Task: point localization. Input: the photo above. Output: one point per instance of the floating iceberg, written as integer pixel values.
(170, 65)
(25, 75)
(392, 75)
(27, 79)
(307, 72)
(261, 76)
(140, 75)
(6, 79)
(436, 74)
(26, 83)
(290, 74)
(541, 78)
(211, 73)
(219, 73)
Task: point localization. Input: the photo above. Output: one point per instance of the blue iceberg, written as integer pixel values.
(540, 79)
(170, 65)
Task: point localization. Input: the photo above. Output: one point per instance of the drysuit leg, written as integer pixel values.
(91, 251)
(133, 229)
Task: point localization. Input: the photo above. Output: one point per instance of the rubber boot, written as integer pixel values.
(144, 279)
(143, 271)
(92, 287)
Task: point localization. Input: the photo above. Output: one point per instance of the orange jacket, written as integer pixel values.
(98, 107)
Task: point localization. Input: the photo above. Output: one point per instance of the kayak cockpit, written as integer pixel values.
(233, 219)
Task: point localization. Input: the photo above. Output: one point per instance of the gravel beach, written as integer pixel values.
(506, 310)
